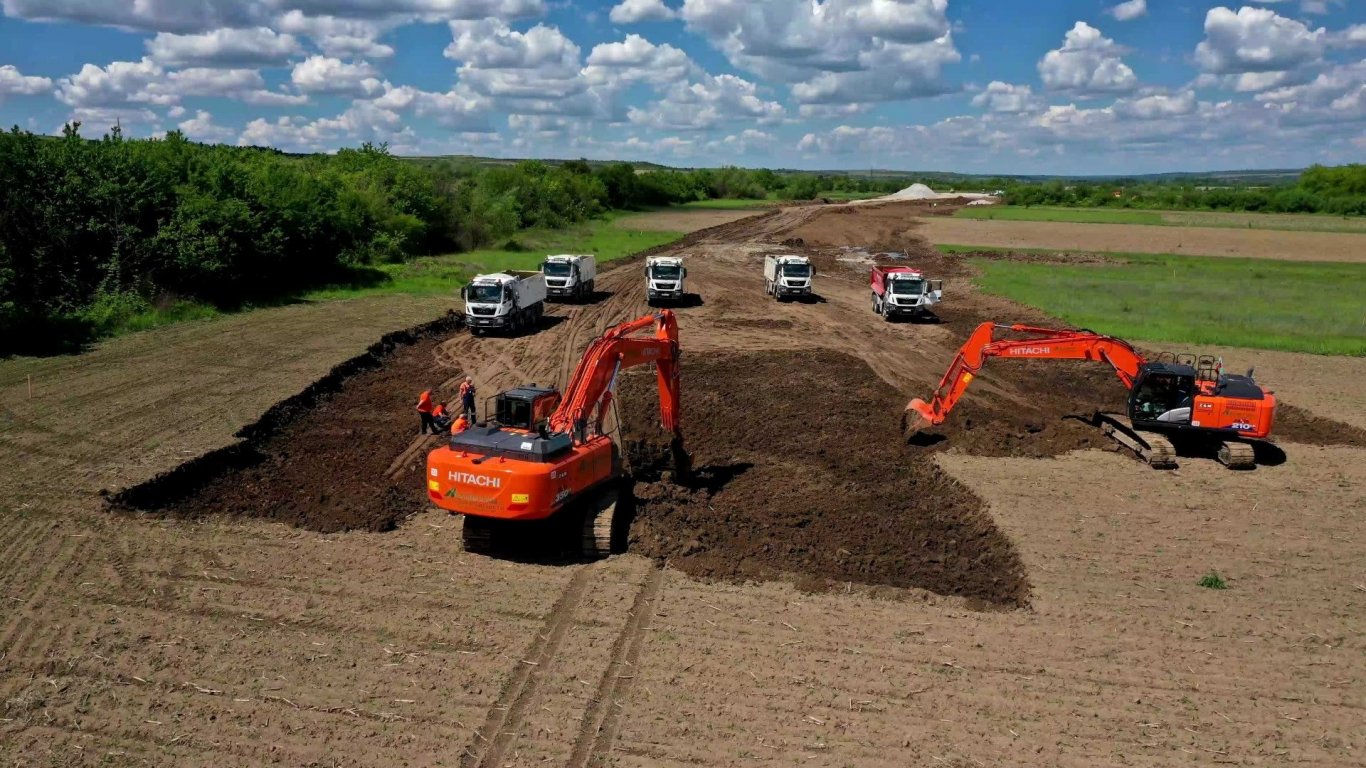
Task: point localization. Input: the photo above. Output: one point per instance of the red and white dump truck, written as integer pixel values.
(904, 292)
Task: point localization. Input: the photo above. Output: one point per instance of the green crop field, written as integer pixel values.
(1295, 222)
(1293, 306)
(726, 204)
(1069, 215)
(608, 238)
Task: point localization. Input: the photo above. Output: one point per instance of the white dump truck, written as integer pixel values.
(664, 277)
(904, 292)
(504, 301)
(788, 276)
(570, 276)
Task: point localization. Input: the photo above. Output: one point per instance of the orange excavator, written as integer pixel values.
(1180, 398)
(544, 456)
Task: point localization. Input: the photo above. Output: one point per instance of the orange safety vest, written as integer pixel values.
(459, 425)
(440, 410)
(465, 387)
(424, 402)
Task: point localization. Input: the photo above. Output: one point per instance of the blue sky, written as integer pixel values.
(1046, 86)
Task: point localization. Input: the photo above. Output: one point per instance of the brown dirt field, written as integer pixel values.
(230, 640)
(1133, 238)
(684, 220)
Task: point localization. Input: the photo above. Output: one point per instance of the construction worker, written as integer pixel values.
(467, 394)
(441, 416)
(425, 407)
(459, 425)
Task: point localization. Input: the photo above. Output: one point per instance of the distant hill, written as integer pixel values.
(1267, 177)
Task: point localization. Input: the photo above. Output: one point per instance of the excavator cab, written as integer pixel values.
(526, 408)
(1163, 392)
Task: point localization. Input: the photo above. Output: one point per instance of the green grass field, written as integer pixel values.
(1218, 219)
(1068, 215)
(1257, 303)
(608, 238)
(724, 204)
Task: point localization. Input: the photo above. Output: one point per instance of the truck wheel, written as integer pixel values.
(876, 309)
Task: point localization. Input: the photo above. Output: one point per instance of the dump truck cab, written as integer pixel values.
(788, 276)
(570, 276)
(903, 291)
(664, 278)
(508, 301)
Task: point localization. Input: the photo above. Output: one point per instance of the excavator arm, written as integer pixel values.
(591, 387)
(1039, 343)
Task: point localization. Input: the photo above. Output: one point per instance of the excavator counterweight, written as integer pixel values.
(545, 455)
(1166, 400)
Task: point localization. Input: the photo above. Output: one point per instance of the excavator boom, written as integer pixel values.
(529, 465)
(1039, 343)
(594, 379)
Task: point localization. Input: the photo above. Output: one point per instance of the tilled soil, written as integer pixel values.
(799, 471)
(320, 460)
(155, 641)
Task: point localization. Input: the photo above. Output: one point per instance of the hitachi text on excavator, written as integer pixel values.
(544, 455)
(1183, 398)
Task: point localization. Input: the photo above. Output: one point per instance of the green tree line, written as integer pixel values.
(1340, 190)
(93, 232)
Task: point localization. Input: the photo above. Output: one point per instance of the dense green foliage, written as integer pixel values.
(1298, 306)
(1340, 190)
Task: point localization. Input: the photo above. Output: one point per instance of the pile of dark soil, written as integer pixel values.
(801, 470)
(1296, 425)
(317, 460)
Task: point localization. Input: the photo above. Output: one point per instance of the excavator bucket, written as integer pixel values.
(682, 461)
(918, 416)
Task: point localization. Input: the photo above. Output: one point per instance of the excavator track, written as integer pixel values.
(1154, 449)
(1237, 455)
(477, 536)
(598, 524)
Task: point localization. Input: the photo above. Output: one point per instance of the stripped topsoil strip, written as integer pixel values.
(801, 470)
(316, 460)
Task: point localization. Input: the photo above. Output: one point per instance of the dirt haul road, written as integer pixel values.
(989, 605)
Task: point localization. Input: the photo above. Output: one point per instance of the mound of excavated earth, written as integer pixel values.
(800, 471)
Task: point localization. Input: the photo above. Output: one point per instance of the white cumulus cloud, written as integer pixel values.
(1256, 40)
(322, 74)
(636, 11)
(259, 46)
(339, 37)
(841, 51)
(707, 103)
(202, 128)
(155, 15)
(1130, 10)
(1007, 98)
(1087, 63)
(15, 83)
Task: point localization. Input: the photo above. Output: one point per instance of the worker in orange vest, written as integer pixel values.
(467, 394)
(441, 416)
(425, 407)
(459, 425)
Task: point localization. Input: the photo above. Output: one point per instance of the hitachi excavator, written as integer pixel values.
(544, 456)
(1183, 398)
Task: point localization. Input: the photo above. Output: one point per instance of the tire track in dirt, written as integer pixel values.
(603, 716)
(19, 631)
(504, 717)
